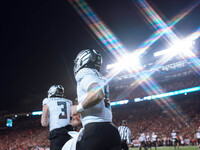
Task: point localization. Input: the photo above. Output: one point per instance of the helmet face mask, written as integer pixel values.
(88, 58)
(56, 91)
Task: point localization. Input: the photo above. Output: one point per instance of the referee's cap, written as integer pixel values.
(124, 122)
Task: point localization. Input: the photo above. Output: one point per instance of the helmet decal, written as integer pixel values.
(56, 91)
(87, 59)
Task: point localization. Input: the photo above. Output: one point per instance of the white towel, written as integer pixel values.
(71, 144)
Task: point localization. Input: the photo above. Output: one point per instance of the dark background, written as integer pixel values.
(41, 38)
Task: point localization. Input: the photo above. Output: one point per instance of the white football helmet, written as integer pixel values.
(88, 58)
(56, 91)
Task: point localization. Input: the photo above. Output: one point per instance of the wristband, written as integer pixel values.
(80, 108)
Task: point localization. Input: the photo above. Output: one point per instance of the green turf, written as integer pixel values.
(171, 148)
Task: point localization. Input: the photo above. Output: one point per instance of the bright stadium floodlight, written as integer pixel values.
(168, 94)
(180, 47)
(129, 62)
(37, 113)
(159, 53)
(121, 102)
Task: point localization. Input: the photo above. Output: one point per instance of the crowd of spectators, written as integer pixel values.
(26, 133)
(162, 117)
(24, 139)
(131, 89)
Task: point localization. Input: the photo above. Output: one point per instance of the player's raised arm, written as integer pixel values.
(95, 95)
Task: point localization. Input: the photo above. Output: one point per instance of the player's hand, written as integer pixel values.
(74, 110)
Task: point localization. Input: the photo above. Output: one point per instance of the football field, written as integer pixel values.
(171, 148)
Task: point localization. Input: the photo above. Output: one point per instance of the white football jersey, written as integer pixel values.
(142, 138)
(154, 136)
(173, 135)
(198, 135)
(147, 137)
(100, 112)
(59, 111)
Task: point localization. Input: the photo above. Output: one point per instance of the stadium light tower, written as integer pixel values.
(129, 62)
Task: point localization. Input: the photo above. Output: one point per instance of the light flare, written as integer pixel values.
(118, 50)
(128, 62)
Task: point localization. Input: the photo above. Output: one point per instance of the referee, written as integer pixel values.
(125, 133)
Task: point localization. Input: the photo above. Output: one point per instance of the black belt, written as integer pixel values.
(98, 123)
(59, 130)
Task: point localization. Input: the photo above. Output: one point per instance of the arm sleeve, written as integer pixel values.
(45, 102)
(88, 80)
(69, 101)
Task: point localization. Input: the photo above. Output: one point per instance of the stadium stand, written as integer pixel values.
(162, 116)
(26, 133)
(125, 90)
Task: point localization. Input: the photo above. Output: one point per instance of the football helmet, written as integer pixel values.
(56, 91)
(89, 58)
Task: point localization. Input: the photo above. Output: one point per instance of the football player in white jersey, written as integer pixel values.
(142, 140)
(94, 105)
(56, 114)
(198, 137)
(154, 140)
(148, 141)
(175, 139)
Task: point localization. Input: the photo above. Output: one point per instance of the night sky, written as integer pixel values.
(41, 38)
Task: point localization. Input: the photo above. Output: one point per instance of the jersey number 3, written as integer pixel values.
(63, 114)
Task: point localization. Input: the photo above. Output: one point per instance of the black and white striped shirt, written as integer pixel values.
(125, 133)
